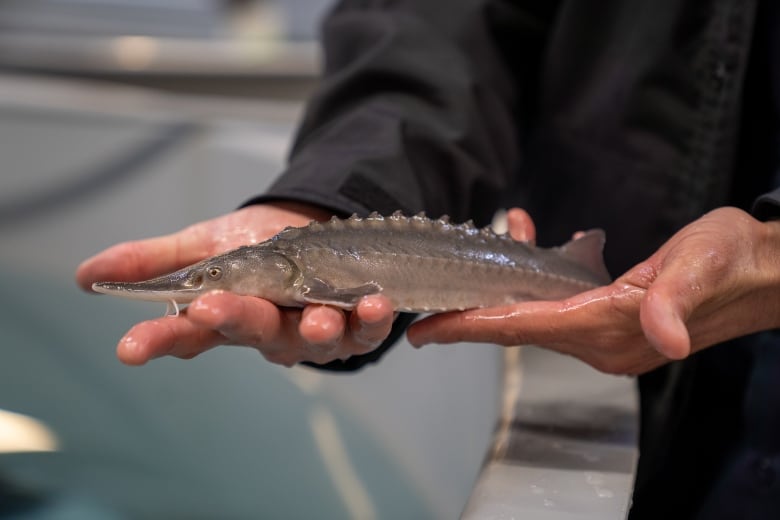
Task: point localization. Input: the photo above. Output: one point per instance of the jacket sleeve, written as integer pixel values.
(417, 110)
(767, 206)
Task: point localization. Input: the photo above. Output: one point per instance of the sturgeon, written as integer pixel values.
(420, 264)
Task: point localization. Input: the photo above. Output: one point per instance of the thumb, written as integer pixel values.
(141, 259)
(664, 311)
(521, 226)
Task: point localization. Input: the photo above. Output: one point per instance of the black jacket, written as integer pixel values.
(636, 116)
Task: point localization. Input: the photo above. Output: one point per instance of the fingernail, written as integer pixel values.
(368, 308)
(200, 306)
(130, 348)
(417, 343)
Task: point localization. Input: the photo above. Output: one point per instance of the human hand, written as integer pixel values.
(716, 279)
(316, 333)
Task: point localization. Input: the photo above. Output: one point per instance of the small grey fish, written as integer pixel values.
(420, 264)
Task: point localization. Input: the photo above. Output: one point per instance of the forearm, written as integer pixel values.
(417, 111)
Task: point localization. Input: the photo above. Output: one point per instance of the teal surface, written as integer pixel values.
(225, 435)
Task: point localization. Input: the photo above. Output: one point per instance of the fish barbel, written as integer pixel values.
(420, 264)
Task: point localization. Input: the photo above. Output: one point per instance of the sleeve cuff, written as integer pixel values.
(767, 206)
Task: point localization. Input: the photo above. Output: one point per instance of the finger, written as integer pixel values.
(141, 259)
(524, 323)
(316, 334)
(322, 326)
(521, 226)
(663, 313)
(165, 336)
(371, 322)
(580, 319)
(326, 335)
(253, 322)
(242, 320)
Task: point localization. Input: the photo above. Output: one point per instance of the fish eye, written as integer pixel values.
(214, 273)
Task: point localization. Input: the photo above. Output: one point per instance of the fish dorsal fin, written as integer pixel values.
(588, 251)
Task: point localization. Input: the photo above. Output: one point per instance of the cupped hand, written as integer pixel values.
(318, 333)
(716, 279)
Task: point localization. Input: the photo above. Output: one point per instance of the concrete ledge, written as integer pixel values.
(566, 444)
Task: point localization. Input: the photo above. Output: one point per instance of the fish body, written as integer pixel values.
(420, 264)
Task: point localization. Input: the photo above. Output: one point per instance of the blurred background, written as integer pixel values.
(123, 119)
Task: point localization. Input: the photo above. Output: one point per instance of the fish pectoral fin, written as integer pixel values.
(319, 291)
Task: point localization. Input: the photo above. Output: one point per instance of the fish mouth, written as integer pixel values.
(155, 290)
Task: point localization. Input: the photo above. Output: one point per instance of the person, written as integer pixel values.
(656, 121)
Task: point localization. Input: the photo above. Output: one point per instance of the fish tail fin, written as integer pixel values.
(588, 251)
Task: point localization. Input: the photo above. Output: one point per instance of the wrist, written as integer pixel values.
(768, 267)
(769, 247)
